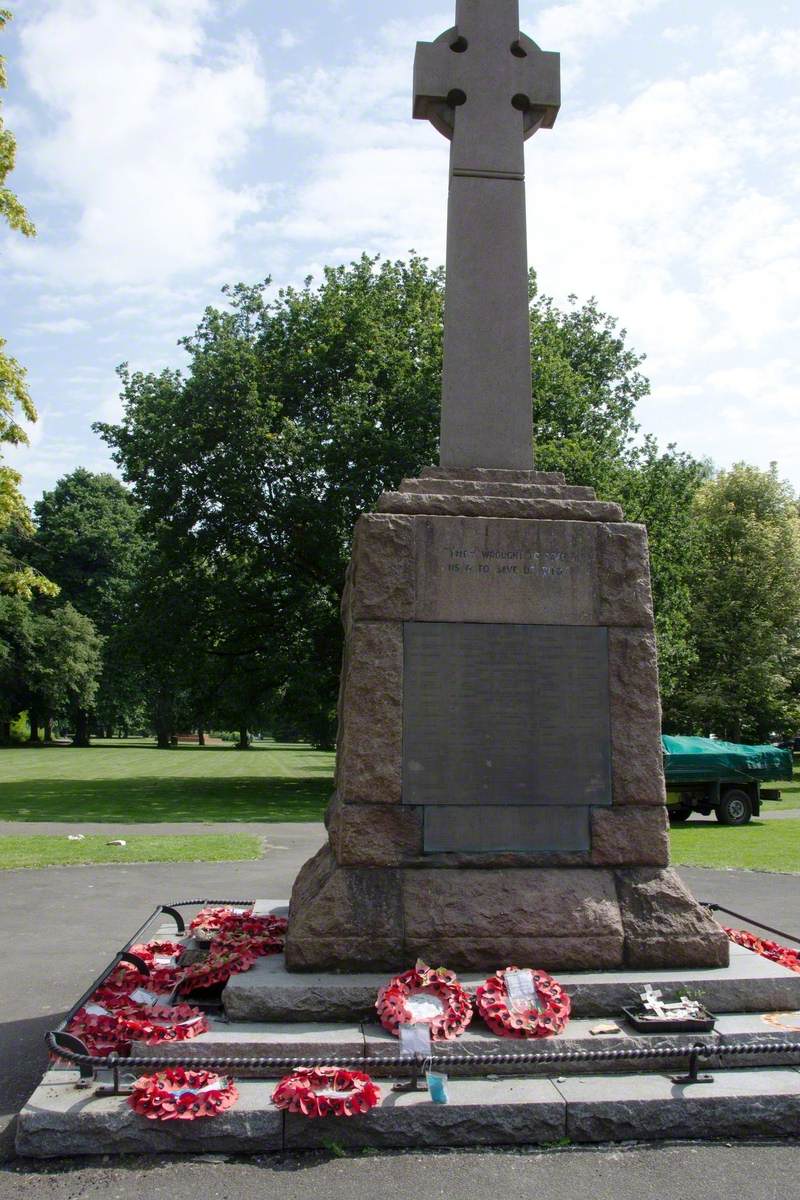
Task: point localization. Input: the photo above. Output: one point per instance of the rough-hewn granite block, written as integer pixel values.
(383, 578)
(630, 837)
(664, 924)
(637, 756)
(370, 747)
(374, 835)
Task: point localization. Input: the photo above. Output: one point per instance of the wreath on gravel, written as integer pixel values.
(181, 1094)
(425, 995)
(518, 1019)
(326, 1092)
(783, 955)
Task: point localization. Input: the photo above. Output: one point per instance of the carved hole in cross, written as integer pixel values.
(518, 50)
(459, 45)
(521, 102)
(456, 98)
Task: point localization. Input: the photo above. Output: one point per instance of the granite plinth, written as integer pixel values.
(499, 653)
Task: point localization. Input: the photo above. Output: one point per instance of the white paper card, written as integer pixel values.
(424, 1006)
(415, 1039)
(140, 996)
(164, 960)
(210, 1087)
(191, 1021)
(521, 991)
(97, 1010)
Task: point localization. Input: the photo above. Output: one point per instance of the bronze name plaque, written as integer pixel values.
(505, 715)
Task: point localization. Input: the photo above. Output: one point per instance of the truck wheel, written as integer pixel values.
(678, 815)
(735, 808)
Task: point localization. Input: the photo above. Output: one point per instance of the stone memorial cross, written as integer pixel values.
(487, 88)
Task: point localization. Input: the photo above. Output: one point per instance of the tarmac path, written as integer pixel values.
(60, 926)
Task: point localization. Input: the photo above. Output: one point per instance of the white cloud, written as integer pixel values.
(681, 34)
(288, 39)
(67, 325)
(570, 28)
(145, 117)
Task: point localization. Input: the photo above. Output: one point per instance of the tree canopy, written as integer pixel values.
(16, 577)
(743, 681)
(299, 407)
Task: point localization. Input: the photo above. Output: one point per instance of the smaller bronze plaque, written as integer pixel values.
(521, 829)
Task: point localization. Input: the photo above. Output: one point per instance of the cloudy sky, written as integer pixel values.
(170, 146)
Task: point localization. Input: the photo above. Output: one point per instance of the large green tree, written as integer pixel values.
(87, 539)
(16, 577)
(744, 681)
(296, 411)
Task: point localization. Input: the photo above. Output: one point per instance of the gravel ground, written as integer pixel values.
(678, 1172)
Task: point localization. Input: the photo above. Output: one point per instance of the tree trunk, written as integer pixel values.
(81, 738)
(163, 721)
(5, 733)
(33, 718)
(244, 741)
(48, 730)
(201, 737)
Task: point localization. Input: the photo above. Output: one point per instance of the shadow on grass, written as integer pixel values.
(149, 799)
(713, 823)
(181, 748)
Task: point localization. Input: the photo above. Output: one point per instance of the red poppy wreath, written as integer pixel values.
(784, 955)
(180, 1094)
(543, 1016)
(326, 1092)
(427, 996)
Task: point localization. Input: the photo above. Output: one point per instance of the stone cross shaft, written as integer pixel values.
(487, 88)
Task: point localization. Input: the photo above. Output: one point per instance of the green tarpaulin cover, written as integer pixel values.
(694, 759)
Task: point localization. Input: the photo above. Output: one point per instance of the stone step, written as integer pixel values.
(520, 491)
(751, 984)
(426, 504)
(369, 1042)
(62, 1119)
(492, 475)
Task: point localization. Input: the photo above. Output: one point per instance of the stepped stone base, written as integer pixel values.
(749, 984)
(561, 919)
(499, 784)
(62, 1120)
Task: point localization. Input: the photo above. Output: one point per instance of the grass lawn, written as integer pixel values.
(759, 846)
(133, 781)
(43, 851)
(789, 791)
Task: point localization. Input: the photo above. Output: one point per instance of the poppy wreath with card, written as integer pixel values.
(784, 955)
(425, 995)
(159, 1023)
(326, 1092)
(181, 1094)
(548, 1016)
(115, 1029)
